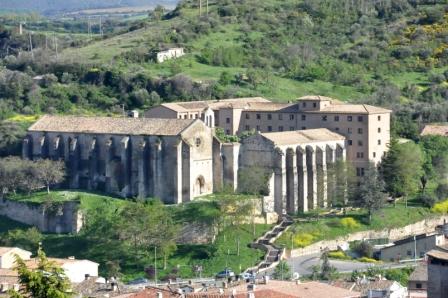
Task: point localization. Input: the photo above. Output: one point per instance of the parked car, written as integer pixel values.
(226, 273)
(247, 276)
(138, 281)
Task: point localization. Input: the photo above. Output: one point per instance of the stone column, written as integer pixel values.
(177, 191)
(38, 144)
(302, 173)
(109, 148)
(331, 173)
(155, 176)
(341, 155)
(139, 168)
(27, 149)
(126, 166)
(312, 176)
(291, 182)
(187, 194)
(321, 162)
(83, 144)
(74, 162)
(93, 162)
(280, 182)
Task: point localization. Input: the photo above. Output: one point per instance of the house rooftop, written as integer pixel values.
(197, 106)
(438, 254)
(5, 250)
(298, 137)
(110, 125)
(351, 109)
(33, 263)
(420, 273)
(435, 129)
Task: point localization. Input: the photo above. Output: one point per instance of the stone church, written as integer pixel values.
(176, 157)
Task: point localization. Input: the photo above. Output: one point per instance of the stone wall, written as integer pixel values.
(64, 217)
(421, 227)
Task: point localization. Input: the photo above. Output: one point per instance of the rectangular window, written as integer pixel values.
(304, 104)
(258, 116)
(379, 129)
(349, 118)
(291, 117)
(379, 118)
(258, 127)
(303, 117)
(374, 154)
(360, 118)
(303, 127)
(336, 118)
(269, 116)
(350, 142)
(247, 127)
(360, 144)
(247, 116)
(349, 130)
(324, 118)
(337, 129)
(228, 131)
(418, 285)
(227, 120)
(379, 142)
(280, 128)
(269, 128)
(280, 116)
(360, 131)
(314, 105)
(360, 154)
(409, 252)
(291, 128)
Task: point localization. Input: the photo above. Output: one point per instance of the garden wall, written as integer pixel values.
(60, 217)
(421, 227)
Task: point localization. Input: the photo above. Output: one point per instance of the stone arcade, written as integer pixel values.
(167, 159)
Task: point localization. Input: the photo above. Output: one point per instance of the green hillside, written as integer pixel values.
(391, 53)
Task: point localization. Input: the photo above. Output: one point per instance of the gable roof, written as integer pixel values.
(435, 129)
(110, 125)
(351, 109)
(196, 106)
(420, 273)
(5, 250)
(298, 137)
(33, 263)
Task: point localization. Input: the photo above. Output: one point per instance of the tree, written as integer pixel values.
(282, 271)
(370, 193)
(363, 249)
(402, 169)
(27, 239)
(254, 180)
(50, 172)
(46, 281)
(11, 136)
(327, 271)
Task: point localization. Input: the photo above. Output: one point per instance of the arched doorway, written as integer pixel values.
(199, 186)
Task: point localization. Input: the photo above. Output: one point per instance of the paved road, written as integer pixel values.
(303, 264)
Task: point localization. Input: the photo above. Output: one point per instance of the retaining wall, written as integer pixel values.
(60, 217)
(421, 227)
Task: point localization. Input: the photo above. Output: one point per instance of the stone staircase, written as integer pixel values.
(273, 254)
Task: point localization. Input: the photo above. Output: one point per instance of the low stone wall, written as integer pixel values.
(60, 217)
(421, 227)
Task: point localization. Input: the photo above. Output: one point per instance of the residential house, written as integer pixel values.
(418, 282)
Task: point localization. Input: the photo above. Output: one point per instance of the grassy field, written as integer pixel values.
(213, 257)
(331, 227)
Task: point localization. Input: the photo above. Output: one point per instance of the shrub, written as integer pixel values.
(338, 254)
(427, 199)
(368, 260)
(363, 249)
(441, 207)
(303, 239)
(442, 191)
(350, 223)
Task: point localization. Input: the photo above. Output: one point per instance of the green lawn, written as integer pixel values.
(330, 227)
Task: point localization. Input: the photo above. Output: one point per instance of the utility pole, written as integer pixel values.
(155, 265)
(31, 46)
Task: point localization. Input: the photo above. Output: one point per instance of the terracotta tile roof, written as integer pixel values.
(33, 263)
(197, 106)
(318, 98)
(271, 106)
(4, 250)
(420, 273)
(298, 137)
(351, 109)
(437, 254)
(109, 125)
(435, 129)
(378, 285)
(8, 273)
